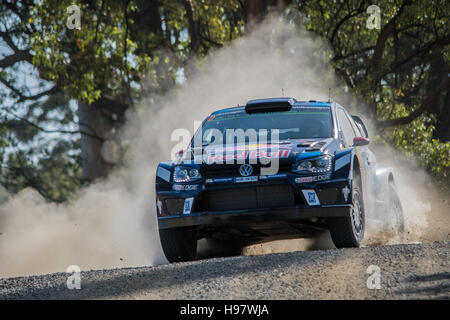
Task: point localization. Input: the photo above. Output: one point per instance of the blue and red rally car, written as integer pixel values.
(274, 168)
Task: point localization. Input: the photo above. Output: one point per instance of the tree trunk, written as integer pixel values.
(439, 71)
(100, 121)
(194, 26)
(256, 10)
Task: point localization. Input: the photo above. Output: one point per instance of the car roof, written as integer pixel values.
(295, 103)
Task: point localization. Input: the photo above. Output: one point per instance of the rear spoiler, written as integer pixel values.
(269, 105)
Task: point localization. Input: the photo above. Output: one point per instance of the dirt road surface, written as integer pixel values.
(407, 271)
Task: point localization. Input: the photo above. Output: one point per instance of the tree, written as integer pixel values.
(104, 65)
(400, 70)
(33, 110)
(413, 35)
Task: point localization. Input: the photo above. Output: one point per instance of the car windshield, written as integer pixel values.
(301, 123)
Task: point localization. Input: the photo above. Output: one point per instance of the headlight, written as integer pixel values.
(184, 174)
(319, 164)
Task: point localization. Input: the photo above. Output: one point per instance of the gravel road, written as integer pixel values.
(412, 271)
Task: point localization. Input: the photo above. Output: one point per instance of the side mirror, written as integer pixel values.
(360, 123)
(178, 157)
(360, 141)
(180, 153)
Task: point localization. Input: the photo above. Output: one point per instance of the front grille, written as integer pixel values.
(232, 170)
(330, 196)
(173, 206)
(247, 198)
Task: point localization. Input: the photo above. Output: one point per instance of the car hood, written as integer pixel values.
(285, 151)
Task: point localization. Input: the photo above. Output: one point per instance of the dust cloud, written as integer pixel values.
(113, 222)
(426, 208)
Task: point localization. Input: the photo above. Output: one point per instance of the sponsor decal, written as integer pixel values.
(261, 154)
(242, 155)
(219, 180)
(249, 147)
(311, 197)
(273, 176)
(221, 158)
(246, 179)
(312, 179)
(246, 170)
(322, 177)
(185, 187)
(188, 203)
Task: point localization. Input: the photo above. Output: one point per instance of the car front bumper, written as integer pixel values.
(236, 217)
(333, 202)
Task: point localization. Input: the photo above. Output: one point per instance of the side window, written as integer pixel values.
(346, 127)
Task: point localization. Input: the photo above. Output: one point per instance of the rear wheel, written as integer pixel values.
(348, 232)
(178, 244)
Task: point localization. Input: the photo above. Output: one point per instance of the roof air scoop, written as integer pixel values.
(269, 105)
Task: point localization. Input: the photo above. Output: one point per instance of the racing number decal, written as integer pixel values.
(311, 197)
(188, 205)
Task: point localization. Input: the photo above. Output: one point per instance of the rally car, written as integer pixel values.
(274, 168)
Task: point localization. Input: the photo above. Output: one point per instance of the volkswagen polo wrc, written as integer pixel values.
(274, 168)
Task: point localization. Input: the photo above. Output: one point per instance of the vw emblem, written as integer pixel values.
(245, 170)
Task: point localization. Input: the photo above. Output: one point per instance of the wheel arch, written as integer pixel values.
(383, 175)
(356, 165)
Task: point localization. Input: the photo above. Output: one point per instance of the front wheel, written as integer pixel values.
(178, 244)
(348, 232)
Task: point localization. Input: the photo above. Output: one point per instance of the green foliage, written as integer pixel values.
(46, 161)
(118, 47)
(82, 61)
(56, 174)
(416, 139)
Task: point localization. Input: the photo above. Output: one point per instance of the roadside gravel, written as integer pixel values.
(407, 271)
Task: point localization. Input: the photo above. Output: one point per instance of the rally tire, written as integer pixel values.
(348, 232)
(178, 245)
